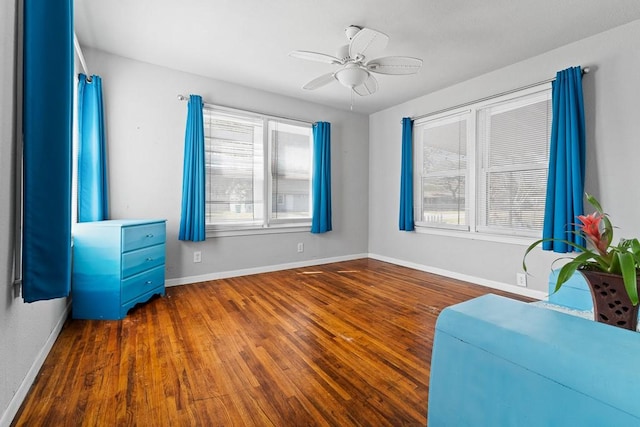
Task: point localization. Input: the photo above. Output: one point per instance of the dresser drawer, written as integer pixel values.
(139, 284)
(143, 259)
(141, 236)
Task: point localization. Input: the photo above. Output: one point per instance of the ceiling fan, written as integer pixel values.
(355, 69)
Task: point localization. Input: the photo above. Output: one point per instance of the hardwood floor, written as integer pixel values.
(344, 344)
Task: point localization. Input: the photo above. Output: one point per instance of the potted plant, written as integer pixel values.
(609, 270)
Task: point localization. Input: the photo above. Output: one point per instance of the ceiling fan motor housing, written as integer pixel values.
(351, 31)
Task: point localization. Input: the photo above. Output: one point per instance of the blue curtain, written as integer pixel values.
(406, 176)
(47, 129)
(565, 184)
(93, 202)
(192, 218)
(321, 180)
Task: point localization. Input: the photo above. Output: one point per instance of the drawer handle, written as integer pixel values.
(149, 282)
(149, 235)
(149, 259)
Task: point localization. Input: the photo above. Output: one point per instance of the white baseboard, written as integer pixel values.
(518, 290)
(257, 270)
(532, 293)
(21, 393)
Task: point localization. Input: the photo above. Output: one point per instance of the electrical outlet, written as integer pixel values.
(521, 279)
(300, 247)
(197, 256)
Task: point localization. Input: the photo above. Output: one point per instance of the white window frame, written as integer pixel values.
(475, 230)
(287, 221)
(267, 224)
(446, 118)
(511, 104)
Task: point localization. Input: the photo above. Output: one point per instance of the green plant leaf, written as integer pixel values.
(607, 232)
(594, 202)
(584, 257)
(550, 239)
(526, 252)
(565, 273)
(569, 269)
(635, 247)
(614, 266)
(635, 251)
(628, 269)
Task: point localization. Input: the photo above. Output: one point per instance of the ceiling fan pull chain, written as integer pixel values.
(352, 98)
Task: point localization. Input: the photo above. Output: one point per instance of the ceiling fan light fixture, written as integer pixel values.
(351, 76)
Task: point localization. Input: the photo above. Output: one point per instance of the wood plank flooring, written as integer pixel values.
(344, 344)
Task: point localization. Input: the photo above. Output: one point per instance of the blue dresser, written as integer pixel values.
(116, 265)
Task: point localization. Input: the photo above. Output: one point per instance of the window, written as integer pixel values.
(290, 171)
(258, 170)
(484, 169)
(514, 142)
(443, 162)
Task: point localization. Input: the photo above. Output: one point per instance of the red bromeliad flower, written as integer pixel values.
(591, 229)
(591, 225)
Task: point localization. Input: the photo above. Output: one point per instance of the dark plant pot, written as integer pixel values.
(611, 303)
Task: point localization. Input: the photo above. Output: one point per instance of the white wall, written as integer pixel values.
(27, 331)
(145, 139)
(611, 92)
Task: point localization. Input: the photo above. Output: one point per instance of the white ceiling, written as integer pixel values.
(247, 41)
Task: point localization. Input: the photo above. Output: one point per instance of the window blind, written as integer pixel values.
(290, 171)
(514, 142)
(444, 172)
(233, 159)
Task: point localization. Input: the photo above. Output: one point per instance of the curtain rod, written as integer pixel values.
(83, 63)
(186, 98)
(585, 70)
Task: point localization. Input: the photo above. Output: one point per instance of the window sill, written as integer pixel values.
(228, 231)
(497, 238)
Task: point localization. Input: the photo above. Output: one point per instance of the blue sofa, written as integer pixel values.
(500, 362)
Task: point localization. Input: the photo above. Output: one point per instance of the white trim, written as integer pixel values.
(512, 239)
(491, 98)
(27, 382)
(272, 229)
(243, 112)
(532, 293)
(257, 270)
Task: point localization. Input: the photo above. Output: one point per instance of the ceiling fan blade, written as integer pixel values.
(369, 87)
(367, 41)
(394, 65)
(315, 56)
(319, 81)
